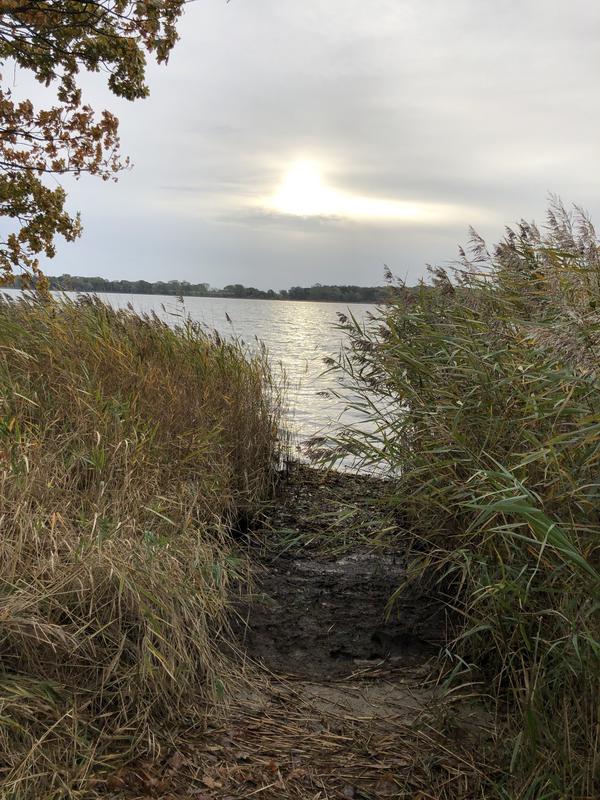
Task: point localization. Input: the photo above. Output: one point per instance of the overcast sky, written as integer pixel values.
(296, 142)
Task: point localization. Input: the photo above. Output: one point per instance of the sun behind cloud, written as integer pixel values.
(304, 193)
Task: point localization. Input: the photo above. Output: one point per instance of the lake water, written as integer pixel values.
(298, 336)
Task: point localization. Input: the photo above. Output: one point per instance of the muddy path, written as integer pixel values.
(338, 697)
(326, 618)
(345, 705)
(329, 560)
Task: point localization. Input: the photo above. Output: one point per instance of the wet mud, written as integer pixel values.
(322, 618)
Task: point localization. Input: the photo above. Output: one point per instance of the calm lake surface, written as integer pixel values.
(298, 336)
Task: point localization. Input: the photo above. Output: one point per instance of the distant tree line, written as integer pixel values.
(318, 292)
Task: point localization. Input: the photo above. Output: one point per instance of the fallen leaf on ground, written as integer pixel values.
(176, 761)
(211, 782)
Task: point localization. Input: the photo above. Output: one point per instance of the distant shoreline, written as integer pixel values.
(223, 297)
(319, 293)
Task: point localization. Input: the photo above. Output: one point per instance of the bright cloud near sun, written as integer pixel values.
(304, 193)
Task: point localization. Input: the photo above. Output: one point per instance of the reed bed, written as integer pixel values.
(127, 447)
(482, 396)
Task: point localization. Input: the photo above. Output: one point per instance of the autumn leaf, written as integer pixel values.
(56, 40)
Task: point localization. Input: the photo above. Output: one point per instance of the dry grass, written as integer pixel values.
(126, 447)
(373, 735)
(483, 397)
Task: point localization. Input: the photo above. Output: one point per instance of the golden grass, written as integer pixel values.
(126, 448)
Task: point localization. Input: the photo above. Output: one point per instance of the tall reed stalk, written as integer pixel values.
(482, 397)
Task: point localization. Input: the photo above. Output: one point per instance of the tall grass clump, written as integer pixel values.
(482, 394)
(126, 447)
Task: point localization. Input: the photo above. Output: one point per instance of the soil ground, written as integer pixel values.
(338, 700)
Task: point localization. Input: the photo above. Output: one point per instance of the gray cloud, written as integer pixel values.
(474, 104)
